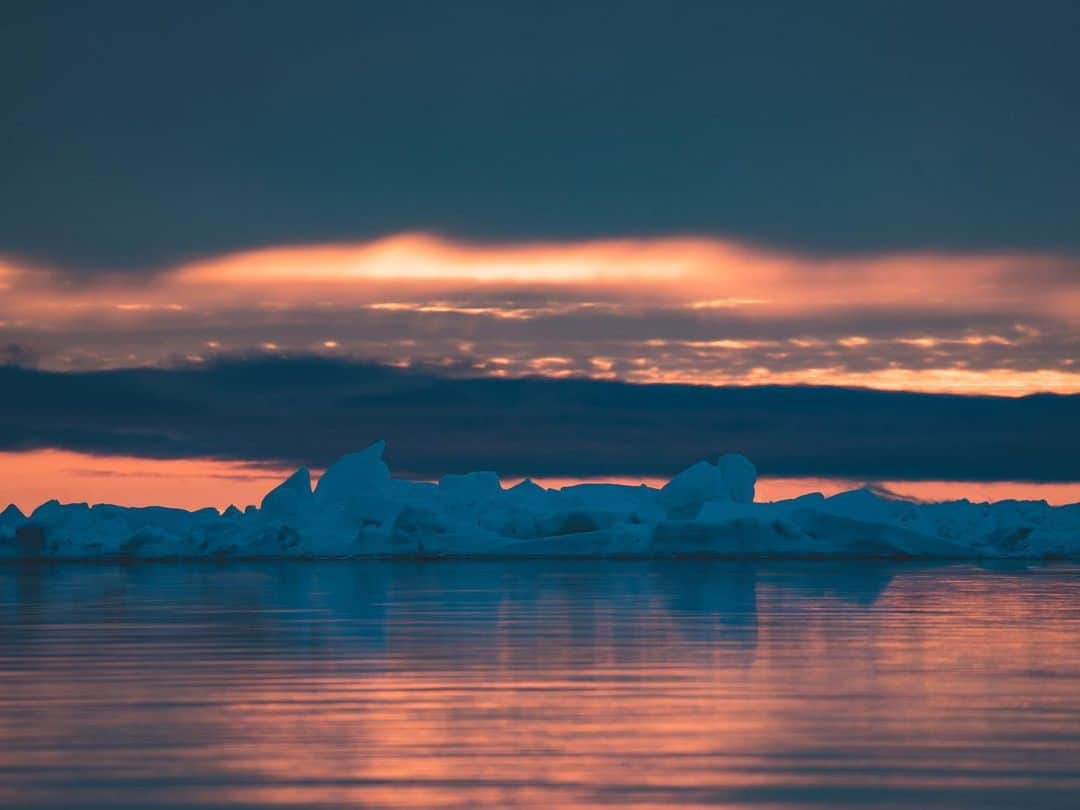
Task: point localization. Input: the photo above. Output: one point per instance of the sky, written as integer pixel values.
(858, 194)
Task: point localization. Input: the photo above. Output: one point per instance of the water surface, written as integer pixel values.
(544, 684)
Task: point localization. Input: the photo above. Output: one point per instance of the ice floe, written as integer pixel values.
(357, 509)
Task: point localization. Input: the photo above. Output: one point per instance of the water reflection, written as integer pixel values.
(469, 684)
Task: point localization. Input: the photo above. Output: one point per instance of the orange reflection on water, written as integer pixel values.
(495, 685)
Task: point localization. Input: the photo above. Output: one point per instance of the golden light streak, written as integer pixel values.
(494, 311)
(999, 382)
(642, 271)
(736, 345)
(853, 341)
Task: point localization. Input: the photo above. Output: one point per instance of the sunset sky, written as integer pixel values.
(866, 195)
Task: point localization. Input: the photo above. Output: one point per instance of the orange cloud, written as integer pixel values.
(442, 293)
(702, 274)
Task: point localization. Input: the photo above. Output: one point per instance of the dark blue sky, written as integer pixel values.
(136, 134)
(310, 411)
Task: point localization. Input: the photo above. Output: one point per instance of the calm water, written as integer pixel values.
(489, 684)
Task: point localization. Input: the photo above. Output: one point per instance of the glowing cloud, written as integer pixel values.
(656, 309)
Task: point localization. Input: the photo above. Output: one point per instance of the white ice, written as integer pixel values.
(357, 509)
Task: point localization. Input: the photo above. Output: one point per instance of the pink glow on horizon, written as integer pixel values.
(779, 489)
(73, 477)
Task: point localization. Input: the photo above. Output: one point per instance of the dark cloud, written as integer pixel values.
(139, 134)
(16, 354)
(306, 410)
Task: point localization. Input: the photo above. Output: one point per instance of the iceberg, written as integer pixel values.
(357, 509)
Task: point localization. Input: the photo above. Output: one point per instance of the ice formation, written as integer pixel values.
(357, 509)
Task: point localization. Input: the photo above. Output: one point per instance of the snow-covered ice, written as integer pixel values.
(357, 509)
